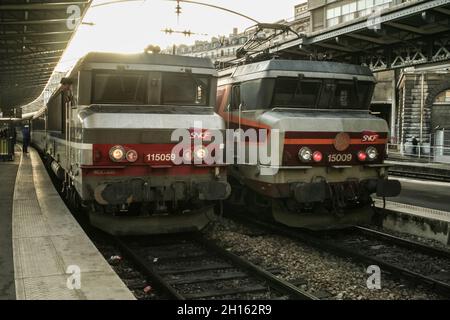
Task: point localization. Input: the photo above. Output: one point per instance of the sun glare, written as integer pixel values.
(130, 26)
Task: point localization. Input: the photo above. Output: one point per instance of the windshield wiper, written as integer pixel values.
(356, 86)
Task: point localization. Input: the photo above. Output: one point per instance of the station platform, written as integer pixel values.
(420, 169)
(420, 221)
(45, 247)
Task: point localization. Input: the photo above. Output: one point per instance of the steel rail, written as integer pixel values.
(251, 270)
(270, 278)
(148, 270)
(414, 245)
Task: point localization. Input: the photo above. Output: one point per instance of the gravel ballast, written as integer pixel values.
(317, 271)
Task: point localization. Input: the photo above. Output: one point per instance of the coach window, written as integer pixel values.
(55, 112)
(38, 123)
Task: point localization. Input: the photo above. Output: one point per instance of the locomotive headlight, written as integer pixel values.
(305, 154)
(372, 153)
(117, 153)
(201, 153)
(132, 156)
(187, 156)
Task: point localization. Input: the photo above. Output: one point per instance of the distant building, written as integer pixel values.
(224, 48)
(300, 9)
(302, 18)
(217, 49)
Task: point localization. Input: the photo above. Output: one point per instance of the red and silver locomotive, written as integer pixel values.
(331, 149)
(107, 134)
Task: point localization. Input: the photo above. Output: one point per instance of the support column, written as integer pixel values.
(422, 105)
(394, 105)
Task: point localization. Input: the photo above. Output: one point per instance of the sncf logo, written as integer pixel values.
(369, 136)
(201, 135)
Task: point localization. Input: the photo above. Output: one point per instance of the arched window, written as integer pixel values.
(443, 97)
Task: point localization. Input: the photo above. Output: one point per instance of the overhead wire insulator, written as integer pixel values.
(178, 10)
(187, 33)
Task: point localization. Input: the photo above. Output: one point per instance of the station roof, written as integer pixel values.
(33, 36)
(411, 33)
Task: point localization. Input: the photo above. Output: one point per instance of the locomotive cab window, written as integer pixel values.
(235, 97)
(345, 96)
(322, 93)
(256, 94)
(350, 94)
(185, 89)
(296, 92)
(119, 88)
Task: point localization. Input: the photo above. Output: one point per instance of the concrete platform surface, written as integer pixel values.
(424, 193)
(8, 172)
(420, 221)
(53, 258)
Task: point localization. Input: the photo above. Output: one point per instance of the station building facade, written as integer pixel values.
(424, 111)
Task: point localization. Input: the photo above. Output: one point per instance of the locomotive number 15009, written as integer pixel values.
(340, 157)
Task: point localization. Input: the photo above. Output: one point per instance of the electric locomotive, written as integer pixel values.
(331, 148)
(107, 135)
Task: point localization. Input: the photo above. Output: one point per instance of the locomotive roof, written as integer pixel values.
(143, 58)
(319, 69)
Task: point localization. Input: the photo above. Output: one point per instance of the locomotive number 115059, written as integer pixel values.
(160, 157)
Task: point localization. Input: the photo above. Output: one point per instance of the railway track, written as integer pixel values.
(191, 267)
(420, 175)
(413, 261)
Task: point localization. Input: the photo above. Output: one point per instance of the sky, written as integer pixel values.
(132, 26)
